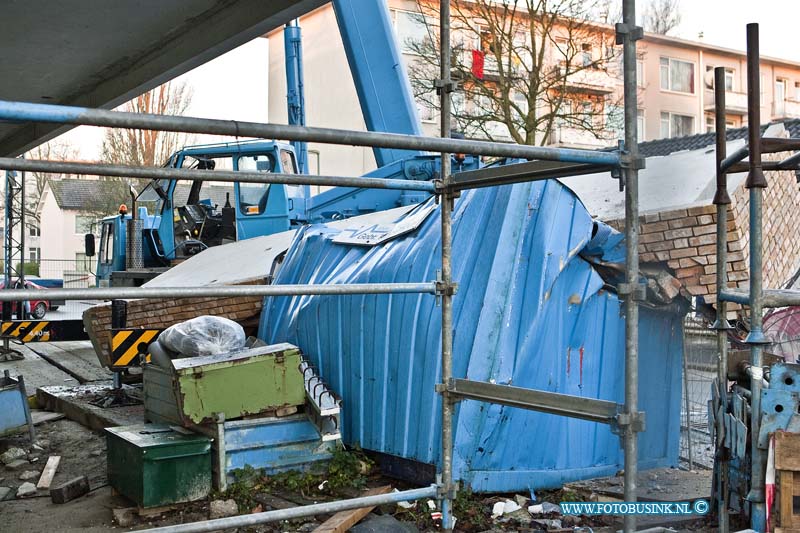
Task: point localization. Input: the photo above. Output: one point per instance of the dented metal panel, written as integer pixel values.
(531, 311)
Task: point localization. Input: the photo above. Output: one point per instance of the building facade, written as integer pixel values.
(675, 77)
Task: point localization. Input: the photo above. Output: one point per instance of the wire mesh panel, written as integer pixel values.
(700, 367)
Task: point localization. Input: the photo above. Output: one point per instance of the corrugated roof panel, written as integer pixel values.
(529, 312)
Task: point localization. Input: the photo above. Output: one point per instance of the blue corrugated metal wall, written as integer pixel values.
(529, 312)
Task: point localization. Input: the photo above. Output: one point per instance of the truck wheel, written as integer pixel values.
(39, 311)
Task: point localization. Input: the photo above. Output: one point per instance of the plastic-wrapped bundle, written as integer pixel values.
(204, 335)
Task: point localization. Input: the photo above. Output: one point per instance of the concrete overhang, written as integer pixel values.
(101, 53)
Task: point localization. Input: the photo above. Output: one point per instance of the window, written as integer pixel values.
(586, 113)
(411, 29)
(253, 197)
(640, 73)
(34, 255)
(313, 162)
(83, 224)
(640, 131)
(677, 75)
(288, 163)
(82, 263)
(709, 124)
(34, 231)
(586, 54)
(107, 243)
(675, 125)
(729, 79)
(797, 91)
(780, 90)
(615, 121)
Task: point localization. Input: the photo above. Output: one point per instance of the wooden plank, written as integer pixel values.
(40, 417)
(787, 498)
(49, 472)
(344, 520)
(787, 451)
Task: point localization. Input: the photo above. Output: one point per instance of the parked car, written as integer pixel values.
(39, 307)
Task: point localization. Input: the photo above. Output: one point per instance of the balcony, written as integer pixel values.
(578, 138)
(589, 80)
(785, 109)
(735, 103)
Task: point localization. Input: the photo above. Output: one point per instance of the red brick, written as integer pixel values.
(670, 215)
(702, 210)
(707, 250)
(682, 222)
(659, 246)
(735, 246)
(680, 243)
(706, 219)
(647, 257)
(740, 265)
(697, 290)
(678, 233)
(656, 226)
(703, 240)
(710, 269)
(662, 256)
(704, 230)
(708, 279)
(686, 252)
(737, 276)
(651, 237)
(652, 217)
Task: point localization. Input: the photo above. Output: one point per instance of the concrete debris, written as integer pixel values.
(12, 454)
(431, 505)
(125, 517)
(544, 508)
(70, 490)
(549, 523)
(223, 508)
(26, 489)
(17, 464)
(504, 508)
(521, 500)
(6, 493)
(29, 475)
(42, 443)
(383, 524)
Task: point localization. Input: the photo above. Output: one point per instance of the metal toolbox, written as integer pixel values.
(197, 389)
(156, 465)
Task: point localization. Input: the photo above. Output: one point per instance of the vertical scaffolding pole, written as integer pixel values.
(756, 183)
(446, 290)
(628, 33)
(721, 200)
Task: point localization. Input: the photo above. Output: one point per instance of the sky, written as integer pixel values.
(235, 85)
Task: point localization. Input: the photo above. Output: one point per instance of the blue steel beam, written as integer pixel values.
(24, 111)
(295, 97)
(384, 93)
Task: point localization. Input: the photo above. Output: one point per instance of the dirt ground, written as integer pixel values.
(82, 452)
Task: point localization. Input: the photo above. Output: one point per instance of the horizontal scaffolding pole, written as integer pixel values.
(522, 172)
(735, 157)
(602, 411)
(253, 519)
(772, 297)
(154, 173)
(28, 112)
(122, 293)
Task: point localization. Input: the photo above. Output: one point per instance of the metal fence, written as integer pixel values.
(700, 367)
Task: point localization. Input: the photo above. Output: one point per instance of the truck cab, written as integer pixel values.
(176, 219)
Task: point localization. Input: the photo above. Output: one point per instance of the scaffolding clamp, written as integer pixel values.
(637, 290)
(634, 32)
(447, 85)
(625, 422)
(444, 288)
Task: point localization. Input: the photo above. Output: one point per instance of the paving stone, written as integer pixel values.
(12, 454)
(17, 464)
(6, 493)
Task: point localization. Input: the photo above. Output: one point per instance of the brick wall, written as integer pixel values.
(685, 239)
(161, 314)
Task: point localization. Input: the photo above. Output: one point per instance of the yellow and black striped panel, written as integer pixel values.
(26, 330)
(128, 344)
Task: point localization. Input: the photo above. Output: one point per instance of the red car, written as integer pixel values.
(38, 308)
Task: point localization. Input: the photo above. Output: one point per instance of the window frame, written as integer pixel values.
(670, 114)
(668, 66)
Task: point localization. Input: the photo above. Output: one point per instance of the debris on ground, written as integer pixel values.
(126, 516)
(12, 454)
(28, 475)
(223, 508)
(26, 489)
(384, 524)
(74, 488)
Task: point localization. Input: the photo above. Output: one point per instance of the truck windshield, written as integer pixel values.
(150, 198)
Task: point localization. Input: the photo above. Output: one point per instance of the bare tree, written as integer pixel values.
(147, 147)
(662, 16)
(56, 150)
(525, 70)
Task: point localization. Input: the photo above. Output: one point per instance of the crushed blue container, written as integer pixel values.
(532, 310)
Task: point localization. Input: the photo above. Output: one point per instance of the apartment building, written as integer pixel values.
(675, 77)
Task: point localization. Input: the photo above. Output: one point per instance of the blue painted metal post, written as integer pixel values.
(384, 92)
(295, 92)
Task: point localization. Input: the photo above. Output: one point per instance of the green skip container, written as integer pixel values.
(156, 465)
